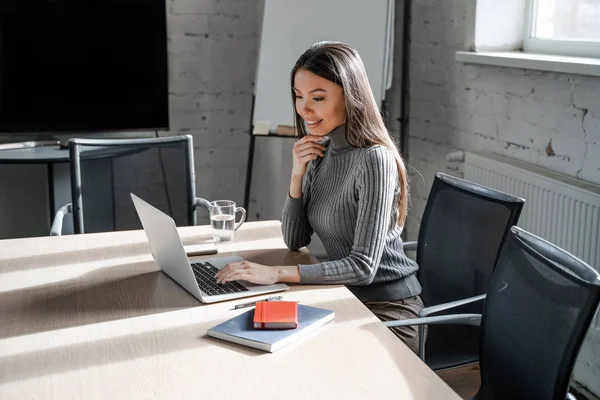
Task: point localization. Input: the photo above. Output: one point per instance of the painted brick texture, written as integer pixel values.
(213, 54)
(547, 119)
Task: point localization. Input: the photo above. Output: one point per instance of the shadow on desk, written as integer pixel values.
(94, 346)
(93, 353)
(57, 259)
(111, 293)
(47, 259)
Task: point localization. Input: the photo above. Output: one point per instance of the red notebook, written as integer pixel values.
(276, 315)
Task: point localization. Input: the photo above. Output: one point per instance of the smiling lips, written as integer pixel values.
(313, 123)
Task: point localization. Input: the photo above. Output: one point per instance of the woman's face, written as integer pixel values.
(319, 102)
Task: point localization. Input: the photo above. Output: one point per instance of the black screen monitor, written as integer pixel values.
(83, 65)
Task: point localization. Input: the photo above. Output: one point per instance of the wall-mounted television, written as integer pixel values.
(83, 65)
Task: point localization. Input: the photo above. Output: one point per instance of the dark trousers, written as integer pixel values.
(400, 310)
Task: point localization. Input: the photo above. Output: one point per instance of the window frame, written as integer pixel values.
(556, 47)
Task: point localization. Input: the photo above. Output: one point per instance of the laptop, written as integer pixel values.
(196, 277)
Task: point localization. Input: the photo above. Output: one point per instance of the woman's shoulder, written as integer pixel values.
(377, 154)
(375, 160)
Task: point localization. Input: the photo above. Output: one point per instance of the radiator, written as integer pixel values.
(561, 209)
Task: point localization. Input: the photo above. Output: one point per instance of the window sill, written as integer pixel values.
(540, 62)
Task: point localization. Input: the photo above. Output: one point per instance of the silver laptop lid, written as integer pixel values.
(166, 245)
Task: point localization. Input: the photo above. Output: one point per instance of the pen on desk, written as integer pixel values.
(253, 303)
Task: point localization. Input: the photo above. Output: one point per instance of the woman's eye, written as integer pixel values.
(318, 98)
(298, 97)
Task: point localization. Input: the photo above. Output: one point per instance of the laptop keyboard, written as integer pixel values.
(205, 276)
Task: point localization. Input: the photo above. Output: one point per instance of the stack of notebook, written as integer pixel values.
(272, 325)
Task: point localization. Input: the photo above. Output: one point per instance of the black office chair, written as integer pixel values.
(461, 234)
(104, 173)
(539, 306)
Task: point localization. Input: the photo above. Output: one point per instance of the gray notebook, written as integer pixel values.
(241, 329)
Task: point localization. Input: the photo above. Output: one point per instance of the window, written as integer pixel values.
(563, 27)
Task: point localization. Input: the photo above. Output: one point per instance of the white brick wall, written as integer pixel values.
(548, 119)
(213, 47)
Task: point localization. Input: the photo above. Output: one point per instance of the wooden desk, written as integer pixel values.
(91, 316)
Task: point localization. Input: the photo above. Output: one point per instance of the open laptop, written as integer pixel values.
(195, 277)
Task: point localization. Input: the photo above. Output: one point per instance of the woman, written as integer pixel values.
(355, 191)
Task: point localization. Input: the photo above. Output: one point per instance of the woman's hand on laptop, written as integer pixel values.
(257, 273)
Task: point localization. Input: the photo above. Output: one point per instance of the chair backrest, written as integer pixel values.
(539, 306)
(461, 234)
(104, 172)
(462, 231)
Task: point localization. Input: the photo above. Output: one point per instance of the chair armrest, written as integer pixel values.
(200, 202)
(56, 229)
(412, 246)
(458, 319)
(426, 311)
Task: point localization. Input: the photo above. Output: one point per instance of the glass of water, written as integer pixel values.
(222, 219)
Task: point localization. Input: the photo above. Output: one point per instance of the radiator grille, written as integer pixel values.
(563, 210)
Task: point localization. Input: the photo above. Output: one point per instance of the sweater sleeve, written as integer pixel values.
(377, 178)
(295, 227)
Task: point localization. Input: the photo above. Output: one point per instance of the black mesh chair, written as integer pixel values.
(461, 234)
(539, 306)
(105, 172)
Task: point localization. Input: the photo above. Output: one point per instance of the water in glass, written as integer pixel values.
(222, 226)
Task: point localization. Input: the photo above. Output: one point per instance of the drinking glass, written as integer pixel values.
(222, 219)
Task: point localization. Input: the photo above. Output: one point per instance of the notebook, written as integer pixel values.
(276, 315)
(241, 330)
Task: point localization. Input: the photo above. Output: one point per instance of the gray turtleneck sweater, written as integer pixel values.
(349, 199)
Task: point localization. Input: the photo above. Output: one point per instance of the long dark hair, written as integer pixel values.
(339, 63)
